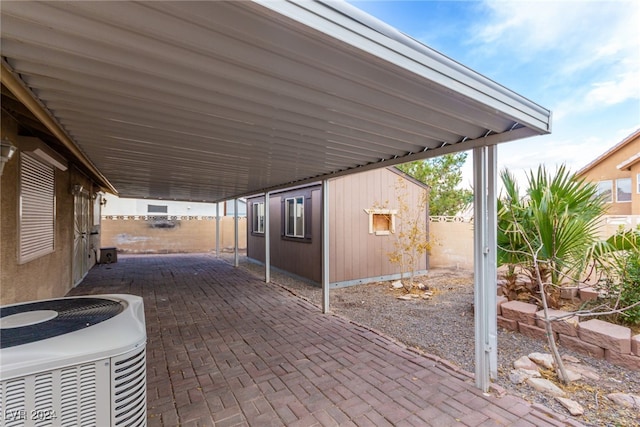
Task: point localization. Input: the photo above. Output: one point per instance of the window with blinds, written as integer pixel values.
(37, 209)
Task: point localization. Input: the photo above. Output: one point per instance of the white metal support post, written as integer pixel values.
(485, 245)
(267, 240)
(218, 229)
(236, 260)
(325, 246)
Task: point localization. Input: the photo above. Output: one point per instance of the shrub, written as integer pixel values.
(630, 289)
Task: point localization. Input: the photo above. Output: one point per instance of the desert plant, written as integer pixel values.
(630, 290)
(411, 239)
(558, 215)
(623, 279)
(552, 232)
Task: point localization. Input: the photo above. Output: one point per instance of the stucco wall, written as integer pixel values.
(48, 276)
(607, 169)
(452, 244)
(453, 239)
(195, 234)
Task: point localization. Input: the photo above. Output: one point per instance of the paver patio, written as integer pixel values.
(226, 349)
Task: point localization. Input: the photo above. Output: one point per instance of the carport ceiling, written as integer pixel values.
(209, 100)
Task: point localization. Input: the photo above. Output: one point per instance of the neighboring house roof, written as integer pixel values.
(611, 151)
(627, 164)
(207, 101)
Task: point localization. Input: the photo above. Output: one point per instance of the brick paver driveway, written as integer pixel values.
(226, 349)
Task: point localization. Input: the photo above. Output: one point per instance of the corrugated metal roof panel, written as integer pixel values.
(210, 100)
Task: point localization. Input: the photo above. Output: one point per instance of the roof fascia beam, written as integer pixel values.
(28, 99)
(493, 139)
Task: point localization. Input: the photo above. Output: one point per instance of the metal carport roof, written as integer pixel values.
(212, 100)
(207, 101)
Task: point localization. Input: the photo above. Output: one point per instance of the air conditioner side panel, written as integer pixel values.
(129, 389)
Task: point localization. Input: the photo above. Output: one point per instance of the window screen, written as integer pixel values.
(623, 190)
(258, 217)
(604, 190)
(37, 209)
(294, 217)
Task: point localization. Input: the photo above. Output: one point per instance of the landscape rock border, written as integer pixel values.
(594, 337)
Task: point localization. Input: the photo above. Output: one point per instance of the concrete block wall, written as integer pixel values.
(593, 337)
(139, 234)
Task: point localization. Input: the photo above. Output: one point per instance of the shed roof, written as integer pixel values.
(207, 101)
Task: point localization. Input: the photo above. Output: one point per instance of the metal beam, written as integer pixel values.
(325, 246)
(485, 244)
(267, 240)
(217, 229)
(469, 144)
(236, 259)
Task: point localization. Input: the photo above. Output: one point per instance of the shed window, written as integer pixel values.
(382, 221)
(623, 190)
(37, 209)
(294, 217)
(258, 217)
(604, 189)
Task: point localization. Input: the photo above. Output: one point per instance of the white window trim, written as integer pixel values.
(391, 212)
(630, 190)
(258, 213)
(638, 183)
(37, 209)
(296, 233)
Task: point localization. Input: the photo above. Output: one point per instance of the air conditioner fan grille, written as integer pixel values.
(73, 315)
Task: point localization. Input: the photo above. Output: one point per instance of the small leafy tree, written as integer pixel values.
(443, 174)
(411, 240)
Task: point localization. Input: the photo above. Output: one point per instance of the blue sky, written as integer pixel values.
(580, 59)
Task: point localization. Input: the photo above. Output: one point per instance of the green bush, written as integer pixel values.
(630, 288)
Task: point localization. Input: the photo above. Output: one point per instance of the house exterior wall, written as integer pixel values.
(356, 256)
(635, 183)
(606, 169)
(124, 206)
(50, 275)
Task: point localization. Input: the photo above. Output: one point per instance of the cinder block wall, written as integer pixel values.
(186, 235)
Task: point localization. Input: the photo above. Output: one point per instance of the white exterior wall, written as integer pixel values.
(121, 206)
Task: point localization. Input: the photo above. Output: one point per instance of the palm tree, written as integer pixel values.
(556, 220)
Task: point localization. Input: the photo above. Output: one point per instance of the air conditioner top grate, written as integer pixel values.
(27, 323)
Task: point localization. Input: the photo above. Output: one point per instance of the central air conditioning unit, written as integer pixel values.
(76, 361)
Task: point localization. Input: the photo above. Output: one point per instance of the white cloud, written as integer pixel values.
(590, 49)
(611, 92)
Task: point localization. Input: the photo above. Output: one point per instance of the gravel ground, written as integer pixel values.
(443, 326)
